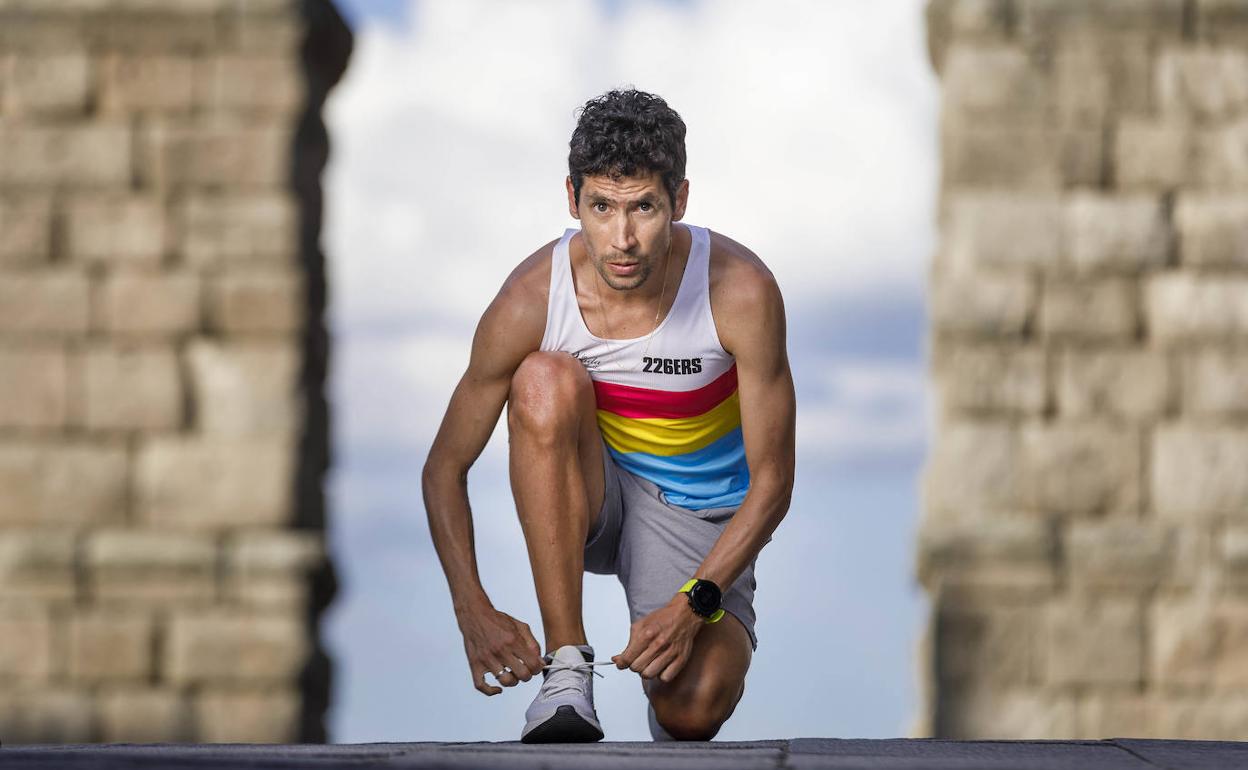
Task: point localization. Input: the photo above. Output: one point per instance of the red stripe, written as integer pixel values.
(627, 401)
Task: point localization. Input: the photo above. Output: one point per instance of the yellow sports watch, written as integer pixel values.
(704, 598)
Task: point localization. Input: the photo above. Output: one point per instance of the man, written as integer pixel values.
(650, 409)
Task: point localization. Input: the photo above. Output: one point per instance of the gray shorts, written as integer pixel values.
(654, 548)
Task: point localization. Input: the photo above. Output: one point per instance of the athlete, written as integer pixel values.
(650, 410)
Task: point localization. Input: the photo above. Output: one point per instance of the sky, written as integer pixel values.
(812, 140)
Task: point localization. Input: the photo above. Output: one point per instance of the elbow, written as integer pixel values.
(776, 483)
(437, 473)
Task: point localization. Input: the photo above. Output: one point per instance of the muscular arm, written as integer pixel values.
(510, 329)
(749, 314)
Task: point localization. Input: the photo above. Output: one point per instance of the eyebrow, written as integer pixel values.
(597, 197)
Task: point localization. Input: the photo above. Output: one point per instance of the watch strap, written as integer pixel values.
(719, 613)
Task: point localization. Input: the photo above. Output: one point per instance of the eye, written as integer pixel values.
(600, 207)
(644, 206)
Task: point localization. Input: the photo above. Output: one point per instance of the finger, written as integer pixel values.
(478, 681)
(659, 663)
(499, 670)
(674, 668)
(520, 669)
(532, 652)
(635, 645)
(655, 650)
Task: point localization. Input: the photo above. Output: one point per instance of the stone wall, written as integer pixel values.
(1084, 535)
(163, 428)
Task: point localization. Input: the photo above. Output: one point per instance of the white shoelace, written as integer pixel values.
(553, 686)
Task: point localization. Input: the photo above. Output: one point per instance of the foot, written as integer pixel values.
(563, 711)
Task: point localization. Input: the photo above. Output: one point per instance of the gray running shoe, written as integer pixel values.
(563, 711)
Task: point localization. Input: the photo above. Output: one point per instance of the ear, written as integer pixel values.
(682, 200)
(572, 207)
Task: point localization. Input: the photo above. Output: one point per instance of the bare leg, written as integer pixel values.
(694, 705)
(557, 482)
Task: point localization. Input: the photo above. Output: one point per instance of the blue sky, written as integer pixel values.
(812, 133)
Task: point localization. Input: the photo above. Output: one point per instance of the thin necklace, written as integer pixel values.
(655, 326)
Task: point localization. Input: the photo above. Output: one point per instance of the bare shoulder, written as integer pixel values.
(744, 292)
(513, 325)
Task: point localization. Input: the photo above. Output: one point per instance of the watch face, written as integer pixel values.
(705, 596)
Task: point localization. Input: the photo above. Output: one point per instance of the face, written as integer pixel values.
(627, 225)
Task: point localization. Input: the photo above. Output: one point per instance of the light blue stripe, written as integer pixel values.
(715, 476)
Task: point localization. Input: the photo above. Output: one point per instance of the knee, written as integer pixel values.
(693, 715)
(547, 391)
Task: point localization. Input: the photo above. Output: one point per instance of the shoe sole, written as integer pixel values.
(565, 726)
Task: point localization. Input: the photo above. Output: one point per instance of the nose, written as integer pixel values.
(623, 235)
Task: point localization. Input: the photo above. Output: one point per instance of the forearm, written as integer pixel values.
(763, 509)
(450, 525)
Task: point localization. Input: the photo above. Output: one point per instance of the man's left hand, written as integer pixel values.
(660, 643)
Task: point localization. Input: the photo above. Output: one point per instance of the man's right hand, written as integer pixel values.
(494, 640)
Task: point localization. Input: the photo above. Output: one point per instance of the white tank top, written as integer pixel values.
(667, 403)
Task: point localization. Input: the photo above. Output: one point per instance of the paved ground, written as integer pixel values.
(799, 753)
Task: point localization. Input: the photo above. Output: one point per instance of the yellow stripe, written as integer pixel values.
(667, 437)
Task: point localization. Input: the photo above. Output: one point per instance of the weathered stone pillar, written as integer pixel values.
(163, 428)
(1085, 527)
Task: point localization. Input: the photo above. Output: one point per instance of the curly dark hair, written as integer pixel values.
(624, 133)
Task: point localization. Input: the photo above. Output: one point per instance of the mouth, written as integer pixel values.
(627, 268)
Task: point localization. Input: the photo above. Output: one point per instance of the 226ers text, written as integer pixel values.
(672, 365)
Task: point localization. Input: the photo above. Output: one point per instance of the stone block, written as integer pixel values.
(273, 552)
(1197, 473)
(130, 230)
(62, 483)
(266, 592)
(151, 567)
(178, 154)
(55, 84)
(252, 83)
(1217, 716)
(231, 646)
(36, 564)
(34, 387)
(1063, 18)
(110, 646)
(1221, 21)
(991, 379)
(1152, 154)
(989, 646)
(248, 716)
(245, 389)
(46, 716)
(1126, 554)
(200, 484)
(1018, 231)
(219, 228)
(257, 302)
(1081, 467)
(1213, 230)
(1101, 78)
(973, 468)
(157, 304)
(271, 35)
(1183, 306)
(1115, 714)
(1200, 643)
(160, 84)
(133, 715)
(1005, 714)
(51, 302)
(987, 555)
(27, 226)
(1202, 83)
(85, 155)
(132, 389)
(1022, 156)
(1117, 233)
(989, 80)
(1099, 310)
(26, 654)
(1094, 642)
(1129, 383)
(1221, 156)
(1232, 557)
(982, 304)
(1215, 382)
